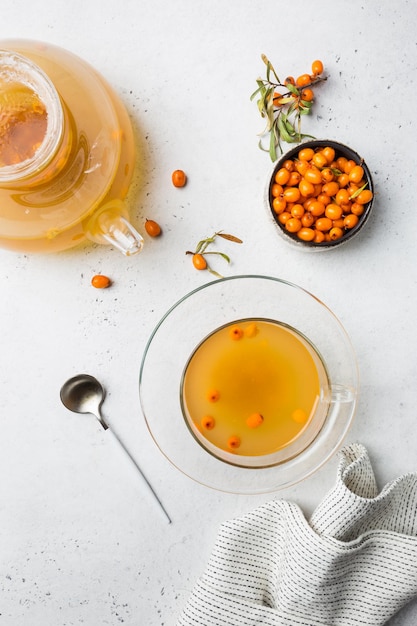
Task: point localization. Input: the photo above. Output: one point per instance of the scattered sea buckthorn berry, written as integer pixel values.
(254, 420)
(199, 262)
(236, 333)
(208, 422)
(213, 395)
(100, 282)
(233, 442)
(179, 178)
(152, 228)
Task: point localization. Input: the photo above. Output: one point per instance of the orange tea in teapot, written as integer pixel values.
(253, 387)
(23, 121)
(66, 153)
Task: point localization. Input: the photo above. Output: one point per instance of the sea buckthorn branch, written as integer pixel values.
(283, 111)
(200, 252)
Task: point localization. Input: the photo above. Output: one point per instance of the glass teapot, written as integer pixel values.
(66, 153)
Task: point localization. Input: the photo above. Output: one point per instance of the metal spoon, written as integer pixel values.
(84, 394)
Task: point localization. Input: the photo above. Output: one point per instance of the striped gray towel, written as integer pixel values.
(353, 564)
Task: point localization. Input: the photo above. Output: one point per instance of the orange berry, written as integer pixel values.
(179, 178)
(291, 194)
(236, 333)
(284, 217)
(357, 209)
(349, 165)
(277, 96)
(324, 198)
(335, 233)
(319, 159)
(327, 175)
(329, 153)
(333, 211)
(299, 416)
(356, 174)
(331, 188)
(306, 188)
(207, 422)
(297, 210)
(294, 179)
(318, 236)
(324, 224)
(306, 234)
(303, 80)
(313, 175)
(340, 163)
(276, 190)
(233, 442)
(213, 395)
(100, 282)
(199, 262)
(317, 208)
(282, 176)
(351, 220)
(152, 228)
(254, 420)
(289, 80)
(279, 205)
(307, 95)
(306, 154)
(289, 165)
(317, 67)
(364, 197)
(293, 224)
(342, 196)
(307, 219)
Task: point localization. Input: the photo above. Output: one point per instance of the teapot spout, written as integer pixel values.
(110, 225)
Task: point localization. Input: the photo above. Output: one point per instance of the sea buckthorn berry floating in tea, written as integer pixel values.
(199, 254)
(99, 281)
(153, 228)
(254, 420)
(208, 422)
(179, 178)
(332, 199)
(233, 442)
(213, 395)
(236, 333)
(283, 103)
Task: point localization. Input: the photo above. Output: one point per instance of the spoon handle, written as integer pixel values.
(148, 484)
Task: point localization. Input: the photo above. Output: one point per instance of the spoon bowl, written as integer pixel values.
(84, 394)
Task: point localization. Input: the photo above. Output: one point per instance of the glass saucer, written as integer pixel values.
(195, 317)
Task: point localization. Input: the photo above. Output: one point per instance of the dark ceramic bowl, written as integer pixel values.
(341, 151)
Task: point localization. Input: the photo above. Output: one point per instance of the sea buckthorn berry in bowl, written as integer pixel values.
(329, 199)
